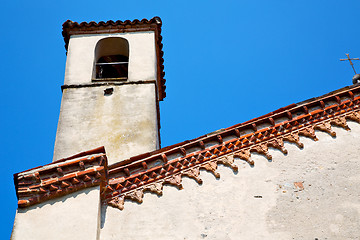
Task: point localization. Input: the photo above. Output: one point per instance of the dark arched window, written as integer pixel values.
(111, 59)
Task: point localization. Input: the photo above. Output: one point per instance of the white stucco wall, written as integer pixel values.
(75, 216)
(81, 53)
(327, 208)
(125, 122)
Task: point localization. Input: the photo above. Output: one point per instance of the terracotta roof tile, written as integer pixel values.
(284, 124)
(150, 171)
(62, 177)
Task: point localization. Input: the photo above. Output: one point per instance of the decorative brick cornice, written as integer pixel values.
(129, 179)
(62, 177)
(154, 24)
(149, 172)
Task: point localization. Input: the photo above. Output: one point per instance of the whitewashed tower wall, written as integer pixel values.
(125, 122)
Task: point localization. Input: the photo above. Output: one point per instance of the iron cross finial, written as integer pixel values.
(349, 59)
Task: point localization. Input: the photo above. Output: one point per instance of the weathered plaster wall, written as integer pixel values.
(257, 203)
(125, 122)
(81, 53)
(75, 216)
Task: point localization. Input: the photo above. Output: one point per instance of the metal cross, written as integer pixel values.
(349, 59)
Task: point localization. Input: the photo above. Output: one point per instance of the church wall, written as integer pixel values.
(74, 216)
(81, 53)
(125, 122)
(311, 193)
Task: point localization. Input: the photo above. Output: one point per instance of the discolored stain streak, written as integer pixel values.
(299, 185)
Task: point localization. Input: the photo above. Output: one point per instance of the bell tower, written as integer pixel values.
(112, 88)
(109, 113)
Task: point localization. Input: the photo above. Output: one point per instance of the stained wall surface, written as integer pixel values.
(311, 193)
(125, 122)
(75, 216)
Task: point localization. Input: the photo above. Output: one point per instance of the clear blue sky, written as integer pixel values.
(225, 62)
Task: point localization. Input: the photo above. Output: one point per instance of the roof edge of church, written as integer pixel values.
(251, 124)
(62, 177)
(149, 171)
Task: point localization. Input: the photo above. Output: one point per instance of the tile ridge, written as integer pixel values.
(62, 177)
(150, 171)
(235, 129)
